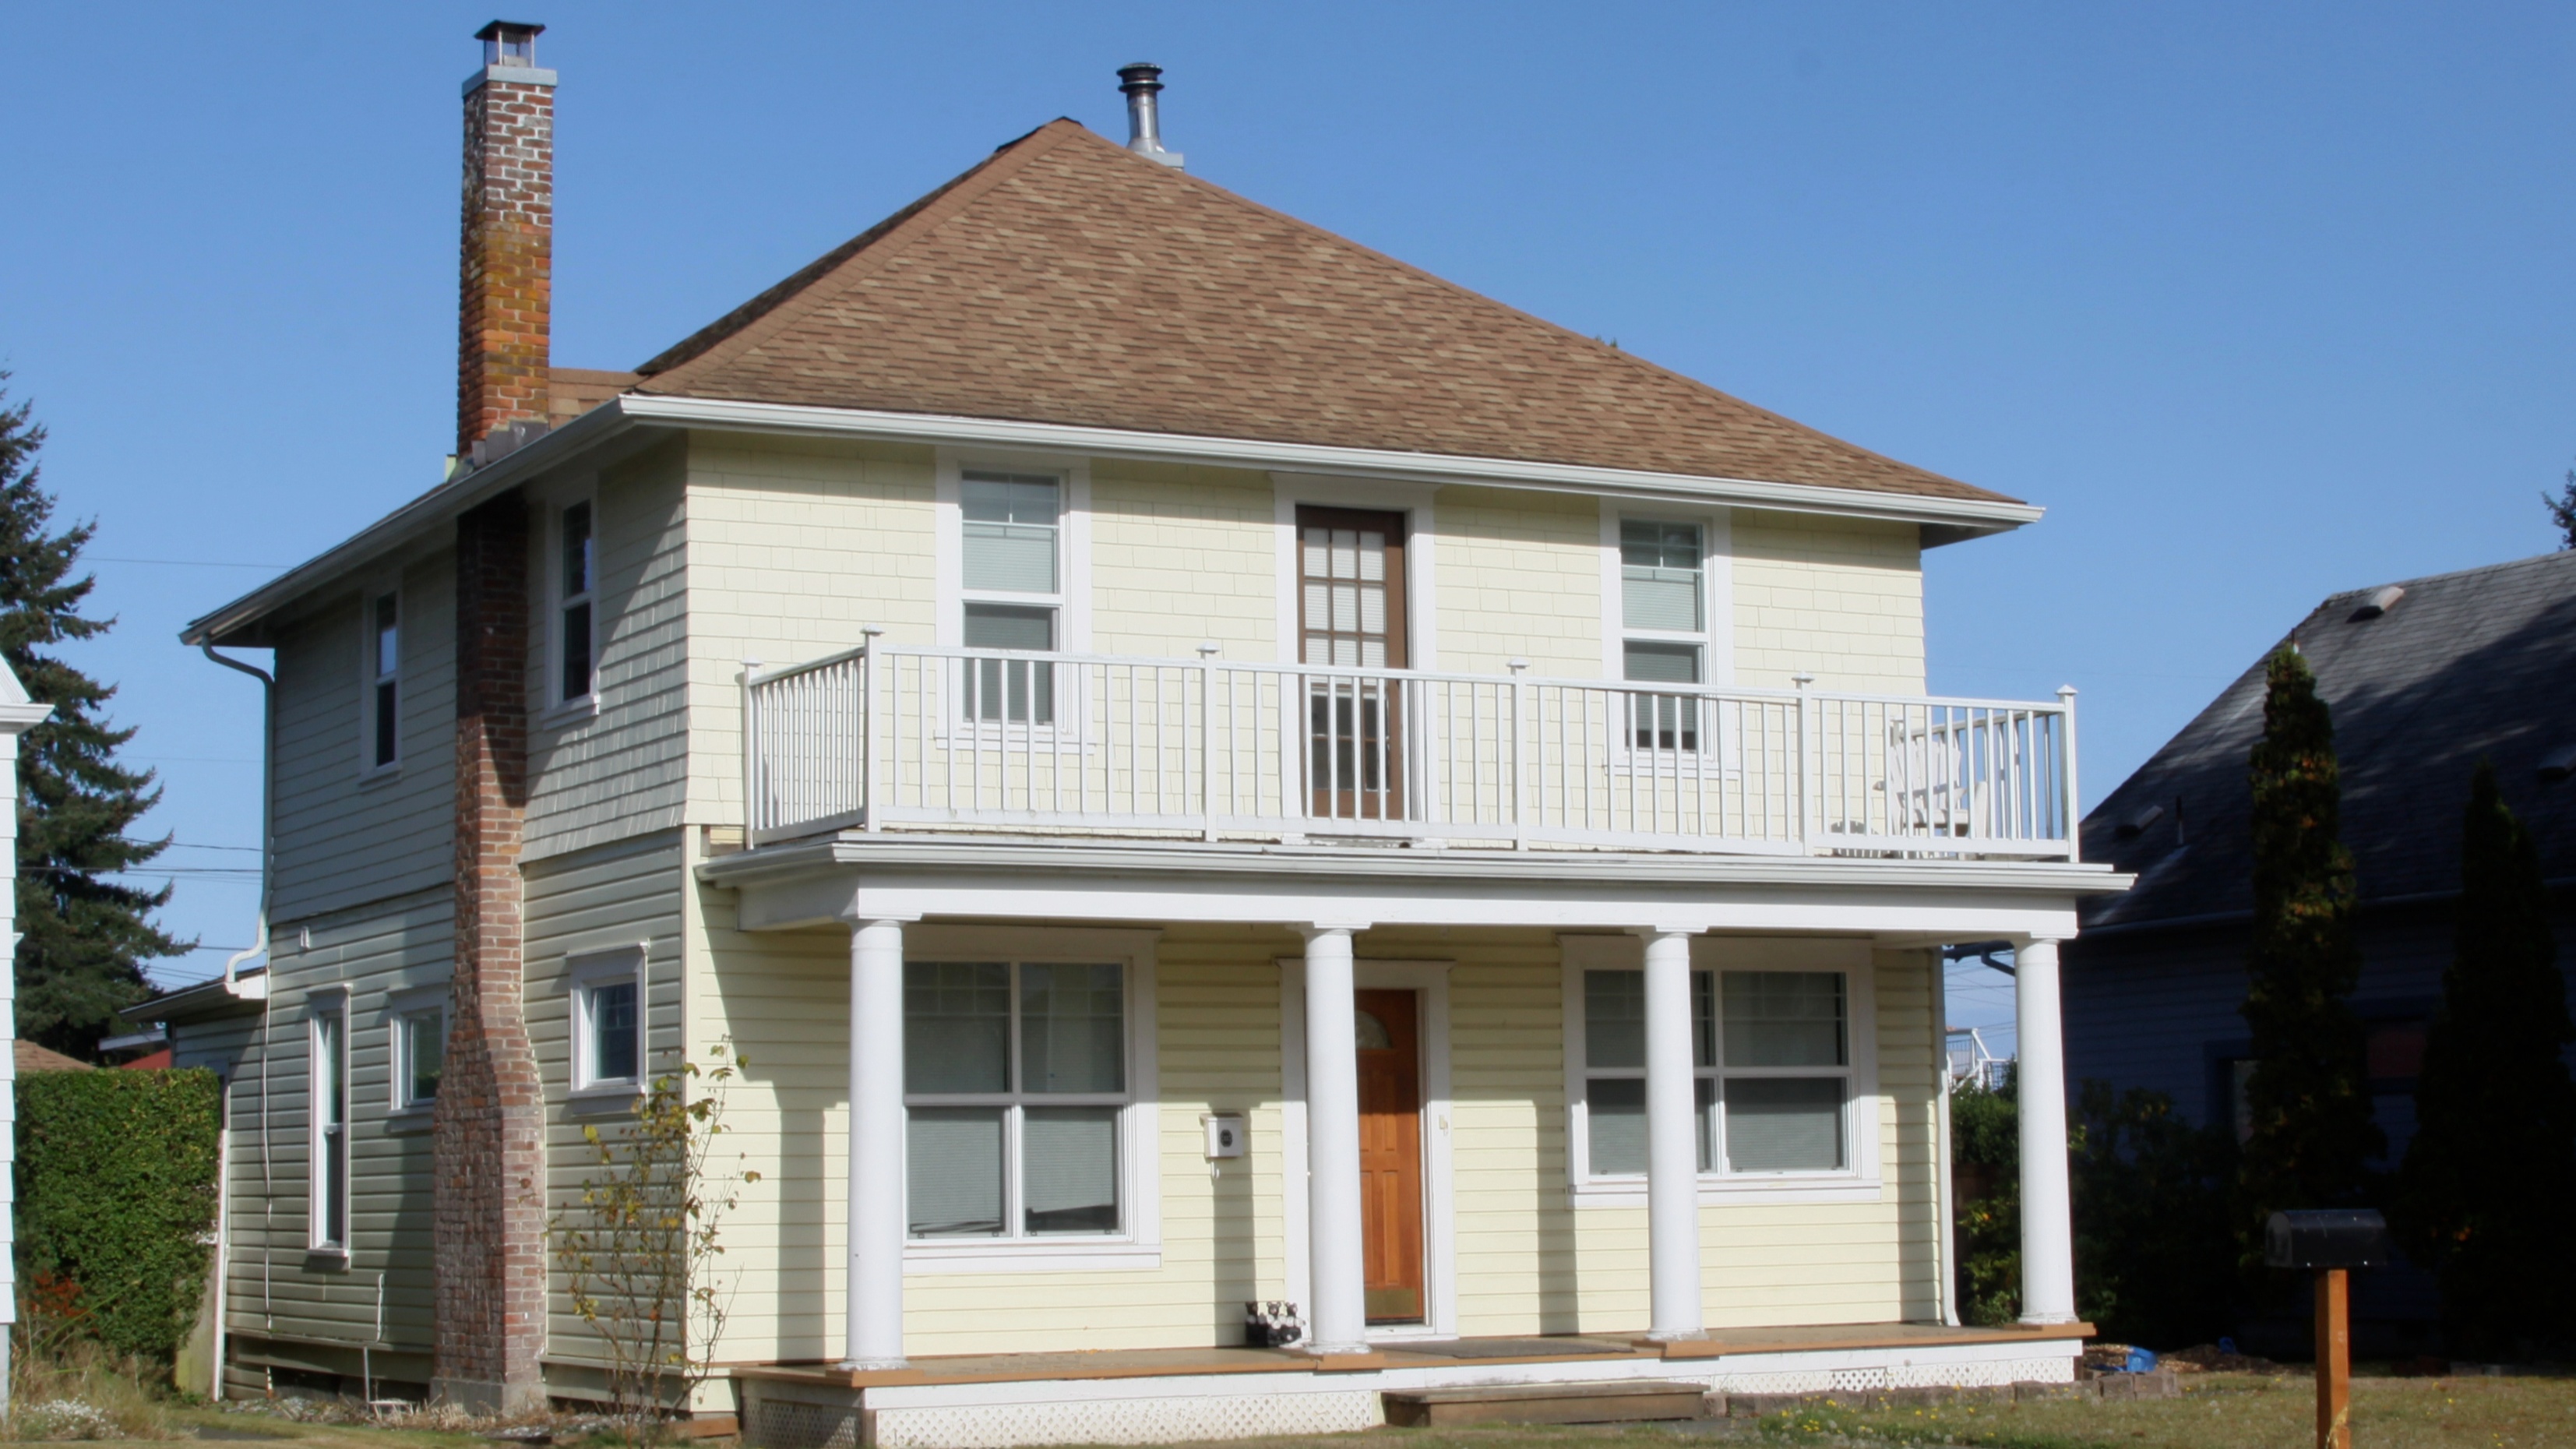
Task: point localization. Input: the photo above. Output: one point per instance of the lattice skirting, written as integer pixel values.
(1128, 1421)
(1162, 1411)
(1960, 1373)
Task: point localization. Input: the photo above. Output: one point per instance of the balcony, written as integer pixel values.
(890, 737)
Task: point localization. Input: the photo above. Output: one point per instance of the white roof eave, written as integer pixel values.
(1952, 517)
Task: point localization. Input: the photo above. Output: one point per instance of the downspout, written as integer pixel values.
(232, 985)
(267, 790)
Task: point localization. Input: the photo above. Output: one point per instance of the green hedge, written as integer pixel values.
(116, 1194)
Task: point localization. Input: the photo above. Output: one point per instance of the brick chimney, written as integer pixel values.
(508, 263)
(487, 1196)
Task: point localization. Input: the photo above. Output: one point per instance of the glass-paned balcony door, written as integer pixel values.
(1350, 613)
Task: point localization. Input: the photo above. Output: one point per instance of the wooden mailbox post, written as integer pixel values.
(2332, 1242)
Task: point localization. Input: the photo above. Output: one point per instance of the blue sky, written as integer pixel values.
(2261, 302)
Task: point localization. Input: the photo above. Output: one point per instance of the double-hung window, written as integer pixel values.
(1771, 1057)
(1015, 1078)
(608, 1020)
(327, 1089)
(1664, 624)
(384, 680)
(1011, 561)
(419, 1054)
(576, 578)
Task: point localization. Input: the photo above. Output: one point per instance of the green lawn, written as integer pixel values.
(2217, 1411)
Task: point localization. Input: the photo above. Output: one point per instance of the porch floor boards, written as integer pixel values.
(1126, 1363)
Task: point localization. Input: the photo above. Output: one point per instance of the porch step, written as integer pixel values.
(1621, 1401)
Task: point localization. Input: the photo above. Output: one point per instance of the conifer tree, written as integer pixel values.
(2309, 1093)
(84, 936)
(2483, 1195)
(2562, 510)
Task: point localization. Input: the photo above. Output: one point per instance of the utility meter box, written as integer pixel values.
(2326, 1238)
(1224, 1134)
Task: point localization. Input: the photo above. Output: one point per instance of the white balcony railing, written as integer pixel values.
(891, 735)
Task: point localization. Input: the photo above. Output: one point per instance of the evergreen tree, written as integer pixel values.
(2562, 510)
(2309, 1092)
(2483, 1195)
(84, 937)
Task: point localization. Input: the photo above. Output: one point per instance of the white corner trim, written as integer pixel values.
(1073, 596)
(1421, 569)
(1439, 1123)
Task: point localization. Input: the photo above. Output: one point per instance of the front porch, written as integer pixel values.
(990, 1401)
(1589, 1204)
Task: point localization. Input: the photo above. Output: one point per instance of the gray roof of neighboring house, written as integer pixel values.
(2478, 663)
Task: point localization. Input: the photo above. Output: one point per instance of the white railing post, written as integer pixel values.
(1520, 771)
(1808, 791)
(872, 818)
(752, 814)
(2074, 832)
(1207, 739)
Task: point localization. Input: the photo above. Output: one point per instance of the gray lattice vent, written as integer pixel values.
(785, 1424)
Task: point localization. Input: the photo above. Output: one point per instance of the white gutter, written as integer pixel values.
(631, 411)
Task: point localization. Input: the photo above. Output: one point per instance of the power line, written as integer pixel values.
(185, 563)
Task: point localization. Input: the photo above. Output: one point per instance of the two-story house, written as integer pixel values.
(1200, 765)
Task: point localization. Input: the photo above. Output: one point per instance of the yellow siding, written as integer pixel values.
(1528, 1261)
(792, 547)
(1839, 598)
(1180, 556)
(1519, 577)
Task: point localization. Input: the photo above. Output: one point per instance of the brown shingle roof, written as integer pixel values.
(1067, 281)
(30, 1057)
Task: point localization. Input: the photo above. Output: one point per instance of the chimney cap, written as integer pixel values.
(510, 43)
(1139, 82)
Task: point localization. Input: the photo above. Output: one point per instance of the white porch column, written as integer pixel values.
(1672, 1139)
(1337, 1321)
(877, 1228)
(2047, 1221)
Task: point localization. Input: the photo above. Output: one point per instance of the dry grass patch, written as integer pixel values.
(2230, 1411)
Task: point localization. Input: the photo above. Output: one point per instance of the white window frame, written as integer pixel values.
(585, 972)
(1857, 1181)
(1716, 634)
(369, 679)
(1714, 639)
(327, 1009)
(399, 1011)
(1140, 1244)
(1071, 601)
(561, 707)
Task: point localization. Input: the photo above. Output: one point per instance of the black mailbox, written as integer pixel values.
(2326, 1238)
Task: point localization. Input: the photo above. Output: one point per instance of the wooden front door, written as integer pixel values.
(1390, 1153)
(1350, 612)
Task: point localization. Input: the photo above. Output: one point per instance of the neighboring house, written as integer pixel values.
(2424, 678)
(1014, 676)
